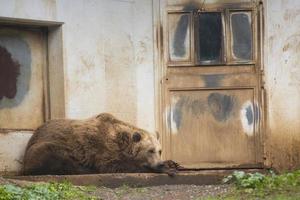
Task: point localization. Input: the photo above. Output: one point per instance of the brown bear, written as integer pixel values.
(101, 144)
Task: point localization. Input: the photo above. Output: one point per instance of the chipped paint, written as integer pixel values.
(247, 118)
(174, 121)
(176, 113)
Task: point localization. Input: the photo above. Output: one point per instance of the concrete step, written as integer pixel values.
(200, 177)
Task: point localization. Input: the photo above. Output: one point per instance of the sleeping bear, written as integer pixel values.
(101, 144)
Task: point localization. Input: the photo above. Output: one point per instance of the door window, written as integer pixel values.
(204, 34)
(179, 37)
(210, 42)
(241, 37)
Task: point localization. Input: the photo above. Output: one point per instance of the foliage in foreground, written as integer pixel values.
(45, 191)
(260, 186)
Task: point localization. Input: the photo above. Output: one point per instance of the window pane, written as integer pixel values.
(179, 37)
(241, 36)
(210, 33)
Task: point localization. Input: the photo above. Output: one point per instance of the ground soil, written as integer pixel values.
(165, 192)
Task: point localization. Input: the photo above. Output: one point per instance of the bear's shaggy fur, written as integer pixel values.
(102, 144)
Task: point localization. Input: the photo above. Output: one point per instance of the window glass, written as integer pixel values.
(179, 37)
(210, 38)
(241, 40)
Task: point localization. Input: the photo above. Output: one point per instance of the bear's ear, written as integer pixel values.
(136, 137)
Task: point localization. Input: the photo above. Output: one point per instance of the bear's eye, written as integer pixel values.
(136, 137)
(151, 151)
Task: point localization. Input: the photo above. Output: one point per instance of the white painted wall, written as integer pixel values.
(282, 69)
(12, 148)
(108, 57)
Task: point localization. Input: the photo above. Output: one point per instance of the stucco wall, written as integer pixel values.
(108, 58)
(282, 73)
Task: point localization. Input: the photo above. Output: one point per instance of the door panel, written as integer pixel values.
(212, 126)
(211, 86)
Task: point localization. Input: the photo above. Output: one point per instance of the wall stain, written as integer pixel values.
(142, 51)
(88, 62)
(256, 113)
(291, 14)
(20, 55)
(286, 47)
(221, 106)
(249, 115)
(292, 45)
(212, 80)
(196, 107)
(9, 72)
(295, 158)
(177, 112)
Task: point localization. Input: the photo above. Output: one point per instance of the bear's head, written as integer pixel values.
(142, 148)
(147, 150)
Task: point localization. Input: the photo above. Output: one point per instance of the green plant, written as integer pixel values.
(45, 191)
(245, 180)
(260, 185)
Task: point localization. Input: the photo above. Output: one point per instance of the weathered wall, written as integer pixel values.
(108, 58)
(282, 69)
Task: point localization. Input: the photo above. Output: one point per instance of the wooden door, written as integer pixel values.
(211, 84)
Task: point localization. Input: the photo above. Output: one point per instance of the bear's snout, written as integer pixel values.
(156, 167)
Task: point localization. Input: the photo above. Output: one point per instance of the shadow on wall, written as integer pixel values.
(15, 70)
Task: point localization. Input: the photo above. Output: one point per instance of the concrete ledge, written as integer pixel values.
(203, 177)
